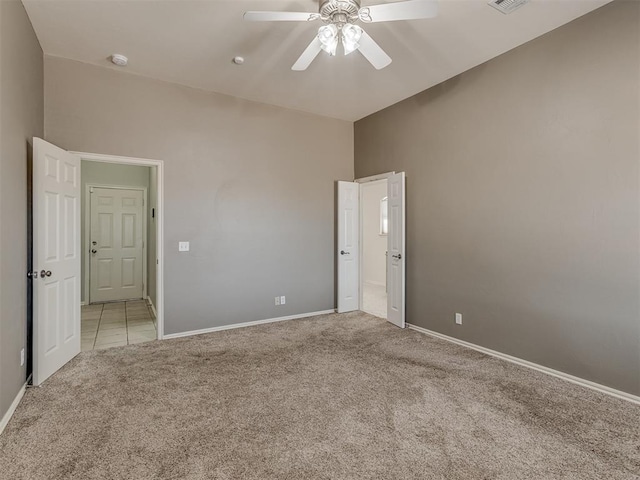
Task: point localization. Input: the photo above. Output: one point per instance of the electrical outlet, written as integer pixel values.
(183, 246)
(458, 319)
(283, 300)
(277, 300)
(22, 357)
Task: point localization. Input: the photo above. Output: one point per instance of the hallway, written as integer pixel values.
(106, 325)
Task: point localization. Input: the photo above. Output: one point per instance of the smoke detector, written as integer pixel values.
(507, 6)
(119, 60)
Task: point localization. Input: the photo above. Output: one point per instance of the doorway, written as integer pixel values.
(59, 290)
(374, 235)
(389, 220)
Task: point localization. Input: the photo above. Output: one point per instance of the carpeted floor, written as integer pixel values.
(333, 397)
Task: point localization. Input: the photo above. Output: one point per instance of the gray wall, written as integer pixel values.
(250, 186)
(523, 198)
(21, 116)
(115, 175)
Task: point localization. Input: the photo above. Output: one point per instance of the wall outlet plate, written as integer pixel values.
(458, 319)
(183, 246)
(283, 300)
(278, 300)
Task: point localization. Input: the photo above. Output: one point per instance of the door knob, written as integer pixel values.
(33, 274)
(342, 252)
(397, 257)
(94, 251)
(45, 273)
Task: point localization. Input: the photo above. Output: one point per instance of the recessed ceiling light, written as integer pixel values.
(238, 60)
(119, 60)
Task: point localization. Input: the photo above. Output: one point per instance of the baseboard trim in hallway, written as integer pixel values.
(245, 324)
(534, 366)
(12, 408)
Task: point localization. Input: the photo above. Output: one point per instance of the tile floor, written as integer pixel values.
(106, 325)
(374, 299)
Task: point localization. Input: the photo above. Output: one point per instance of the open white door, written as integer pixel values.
(56, 258)
(396, 256)
(348, 246)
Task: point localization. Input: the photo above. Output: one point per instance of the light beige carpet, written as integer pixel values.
(332, 397)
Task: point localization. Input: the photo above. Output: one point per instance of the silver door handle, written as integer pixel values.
(342, 252)
(397, 257)
(33, 274)
(45, 273)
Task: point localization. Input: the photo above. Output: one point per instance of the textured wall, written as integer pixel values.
(249, 185)
(21, 117)
(523, 198)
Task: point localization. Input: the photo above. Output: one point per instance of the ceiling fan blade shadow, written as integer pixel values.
(280, 16)
(309, 54)
(373, 52)
(409, 10)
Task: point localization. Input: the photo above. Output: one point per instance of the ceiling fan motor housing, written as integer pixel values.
(339, 11)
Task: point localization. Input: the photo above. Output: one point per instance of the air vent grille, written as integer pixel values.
(507, 6)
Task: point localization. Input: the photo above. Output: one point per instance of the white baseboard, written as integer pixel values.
(153, 308)
(534, 366)
(245, 324)
(374, 283)
(12, 408)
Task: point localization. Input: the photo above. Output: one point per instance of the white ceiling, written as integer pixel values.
(192, 43)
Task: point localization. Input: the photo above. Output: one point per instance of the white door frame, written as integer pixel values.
(87, 235)
(363, 180)
(159, 215)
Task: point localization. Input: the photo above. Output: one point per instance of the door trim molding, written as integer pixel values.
(374, 178)
(247, 324)
(87, 235)
(159, 164)
(534, 366)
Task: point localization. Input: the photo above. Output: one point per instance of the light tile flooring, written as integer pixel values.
(106, 325)
(374, 299)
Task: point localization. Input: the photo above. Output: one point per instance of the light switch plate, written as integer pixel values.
(183, 246)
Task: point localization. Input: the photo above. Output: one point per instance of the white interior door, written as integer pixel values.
(56, 258)
(116, 244)
(396, 256)
(348, 246)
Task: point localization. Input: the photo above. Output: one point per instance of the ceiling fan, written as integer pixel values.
(340, 17)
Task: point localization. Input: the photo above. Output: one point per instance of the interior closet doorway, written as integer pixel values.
(375, 230)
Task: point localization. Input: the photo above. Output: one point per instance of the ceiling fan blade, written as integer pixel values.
(309, 54)
(409, 10)
(280, 16)
(372, 52)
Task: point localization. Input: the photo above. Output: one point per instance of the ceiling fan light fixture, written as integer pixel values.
(328, 36)
(351, 35)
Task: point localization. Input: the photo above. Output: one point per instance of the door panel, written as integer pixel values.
(396, 257)
(56, 240)
(117, 239)
(348, 246)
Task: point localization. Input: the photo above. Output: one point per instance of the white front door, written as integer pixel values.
(116, 244)
(56, 258)
(396, 255)
(348, 246)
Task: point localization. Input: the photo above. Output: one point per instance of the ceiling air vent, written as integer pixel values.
(507, 6)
